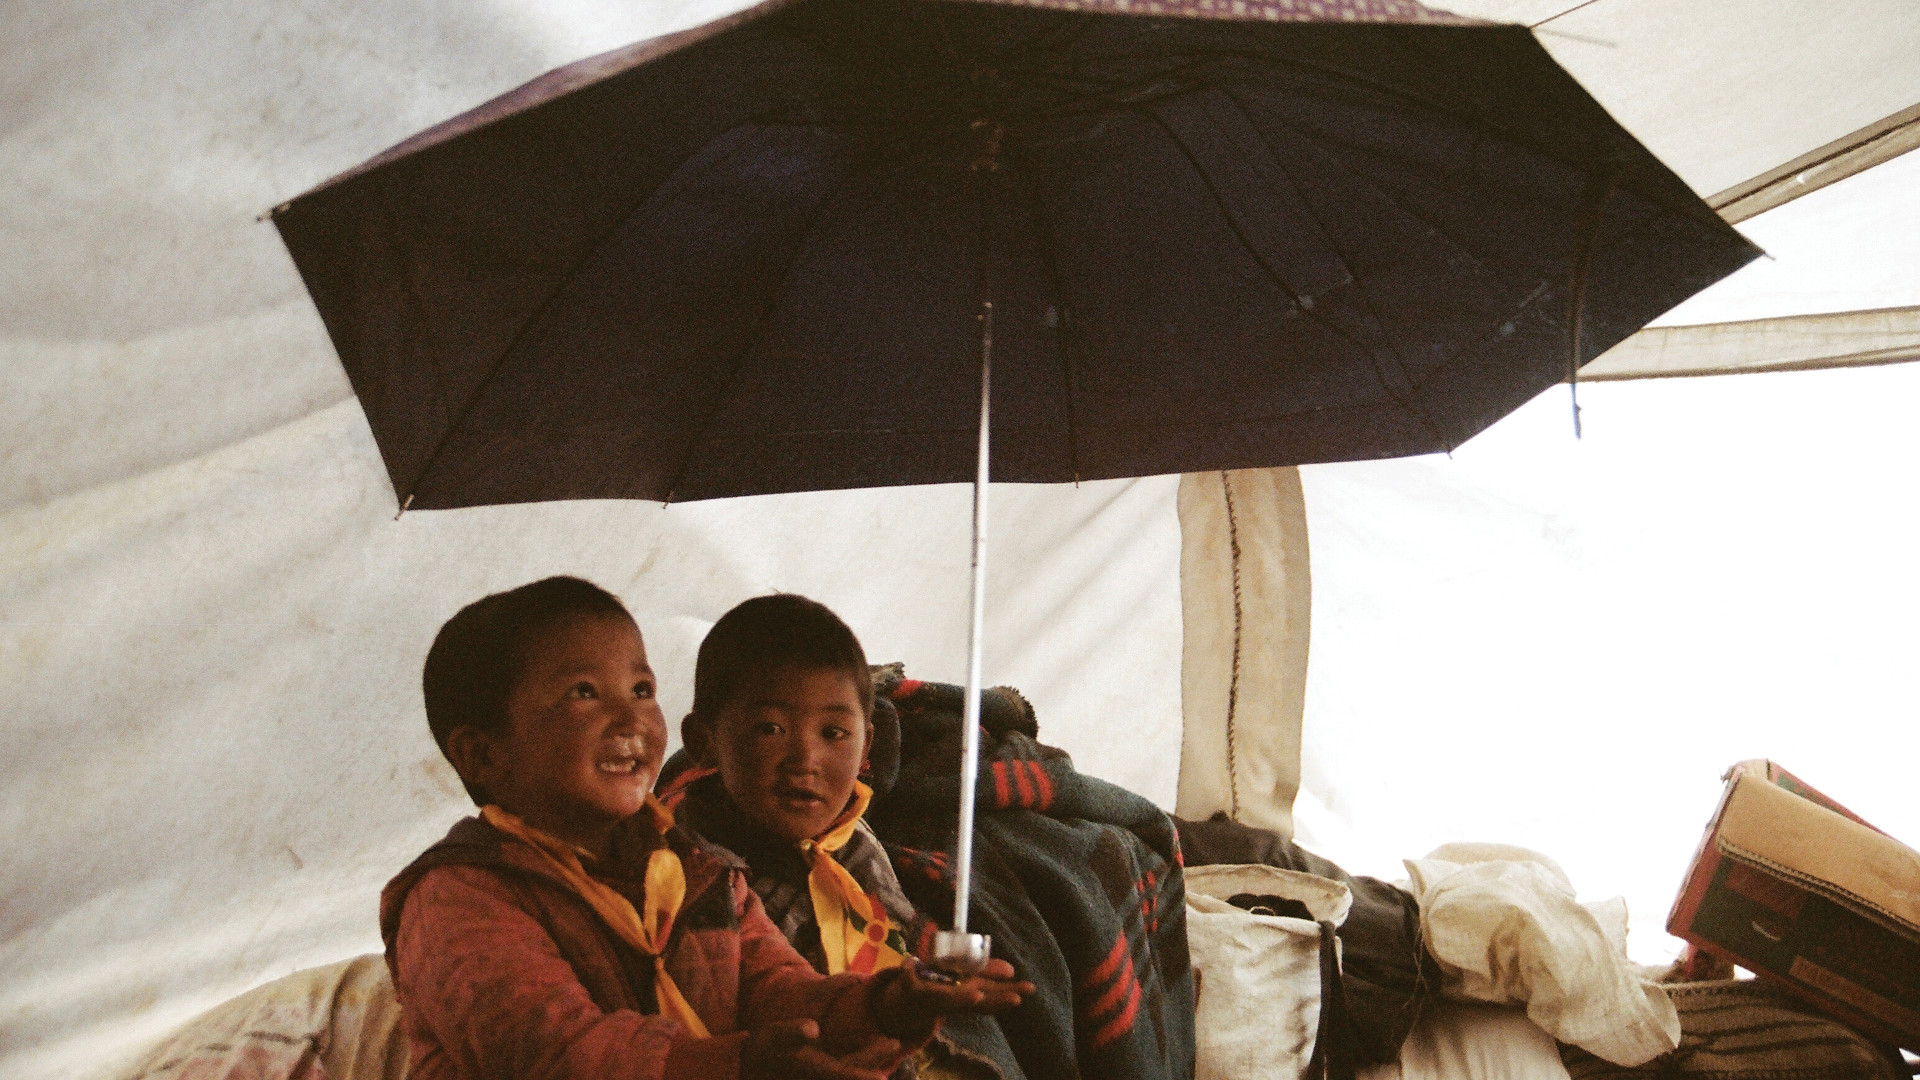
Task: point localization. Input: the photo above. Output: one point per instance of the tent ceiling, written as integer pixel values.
(1875, 144)
(1842, 289)
(1725, 91)
(1847, 247)
(1757, 103)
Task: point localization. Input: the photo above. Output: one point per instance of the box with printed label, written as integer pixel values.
(1794, 887)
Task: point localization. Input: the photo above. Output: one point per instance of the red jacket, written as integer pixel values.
(503, 971)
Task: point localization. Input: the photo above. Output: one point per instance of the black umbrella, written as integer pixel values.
(795, 248)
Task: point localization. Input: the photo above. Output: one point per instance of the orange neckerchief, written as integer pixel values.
(666, 887)
(854, 931)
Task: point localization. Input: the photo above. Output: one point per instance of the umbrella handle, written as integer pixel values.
(970, 718)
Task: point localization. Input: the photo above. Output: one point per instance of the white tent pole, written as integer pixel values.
(970, 720)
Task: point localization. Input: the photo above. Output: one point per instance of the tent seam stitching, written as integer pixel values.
(1233, 677)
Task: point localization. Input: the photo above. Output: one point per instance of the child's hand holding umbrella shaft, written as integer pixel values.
(921, 995)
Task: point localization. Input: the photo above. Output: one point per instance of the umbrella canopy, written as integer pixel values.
(750, 258)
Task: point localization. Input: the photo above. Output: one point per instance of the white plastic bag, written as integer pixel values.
(1259, 976)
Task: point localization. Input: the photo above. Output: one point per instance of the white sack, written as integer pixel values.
(1506, 929)
(337, 1022)
(1258, 1013)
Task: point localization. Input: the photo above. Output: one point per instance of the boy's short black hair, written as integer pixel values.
(769, 632)
(477, 656)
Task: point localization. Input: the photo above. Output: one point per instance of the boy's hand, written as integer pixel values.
(786, 1050)
(914, 1001)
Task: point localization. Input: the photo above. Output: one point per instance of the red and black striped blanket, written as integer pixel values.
(1078, 881)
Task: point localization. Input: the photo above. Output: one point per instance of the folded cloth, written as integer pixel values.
(1505, 927)
(1078, 881)
(1746, 1030)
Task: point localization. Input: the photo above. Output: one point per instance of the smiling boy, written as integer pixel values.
(570, 930)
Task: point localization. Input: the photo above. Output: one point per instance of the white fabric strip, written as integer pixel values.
(1795, 343)
(1246, 600)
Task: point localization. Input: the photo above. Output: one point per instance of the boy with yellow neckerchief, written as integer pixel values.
(571, 930)
(778, 738)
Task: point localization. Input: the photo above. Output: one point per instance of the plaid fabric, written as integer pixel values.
(1746, 1030)
(777, 871)
(1078, 881)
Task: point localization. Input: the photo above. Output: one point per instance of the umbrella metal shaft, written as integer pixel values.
(976, 633)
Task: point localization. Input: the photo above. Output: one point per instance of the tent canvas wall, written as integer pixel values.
(210, 624)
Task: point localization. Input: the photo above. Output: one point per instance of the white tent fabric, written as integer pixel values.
(1848, 247)
(212, 625)
(1727, 90)
(1562, 644)
(1840, 288)
(1851, 154)
(1791, 343)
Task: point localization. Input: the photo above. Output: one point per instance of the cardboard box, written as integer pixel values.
(1800, 891)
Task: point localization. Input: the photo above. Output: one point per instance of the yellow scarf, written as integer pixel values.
(854, 930)
(666, 887)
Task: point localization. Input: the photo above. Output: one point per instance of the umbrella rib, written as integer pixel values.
(1480, 124)
(1091, 94)
(1255, 66)
(1416, 407)
(538, 316)
(777, 294)
(1327, 146)
(1043, 235)
(1252, 67)
(1305, 308)
(1091, 91)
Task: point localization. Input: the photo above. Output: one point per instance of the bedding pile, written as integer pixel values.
(1078, 881)
(1746, 1030)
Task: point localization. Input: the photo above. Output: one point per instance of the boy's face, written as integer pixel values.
(789, 745)
(584, 736)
